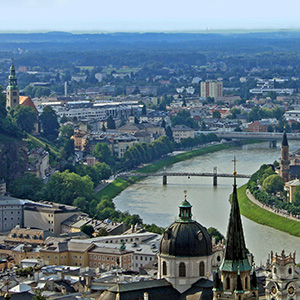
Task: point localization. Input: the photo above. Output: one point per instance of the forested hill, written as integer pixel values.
(238, 42)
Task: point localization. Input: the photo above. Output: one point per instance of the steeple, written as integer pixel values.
(284, 140)
(185, 210)
(236, 252)
(284, 161)
(12, 90)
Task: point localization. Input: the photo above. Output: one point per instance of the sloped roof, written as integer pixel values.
(26, 101)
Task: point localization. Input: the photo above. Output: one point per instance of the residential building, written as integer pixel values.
(38, 162)
(290, 187)
(211, 88)
(181, 132)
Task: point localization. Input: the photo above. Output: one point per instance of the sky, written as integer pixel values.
(145, 15)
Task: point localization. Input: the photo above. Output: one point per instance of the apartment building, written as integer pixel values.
(211, 88)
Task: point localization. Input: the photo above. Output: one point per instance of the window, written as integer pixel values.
(246, 283)
(182, 270)
(201, 269)
(164, 267)
(290, 270)
(228, 283)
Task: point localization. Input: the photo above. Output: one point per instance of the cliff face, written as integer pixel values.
(13, 159)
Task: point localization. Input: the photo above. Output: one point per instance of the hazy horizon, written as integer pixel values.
(154, 16)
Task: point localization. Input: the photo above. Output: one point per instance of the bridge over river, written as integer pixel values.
(272, 137)
(165, 175)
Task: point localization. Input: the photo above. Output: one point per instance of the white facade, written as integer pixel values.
(292, 115)
(182, 272)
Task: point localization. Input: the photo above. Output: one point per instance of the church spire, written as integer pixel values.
(236, 252)
(284, 139)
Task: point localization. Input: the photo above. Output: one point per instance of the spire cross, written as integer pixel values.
(234, 168)
(185, 192)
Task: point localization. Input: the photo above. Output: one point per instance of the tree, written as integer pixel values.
(102, 152)
(144, 110)
(27, 187)
(216, 114)
(65, 187)
(136, 120)
(102, 232)
(66, 131)
(273, 184)
(88, 230)
(214, 233)
(163, 123)
(25, 117)
(49, 123)
(111, 123)
(169, 133)
(103, 127)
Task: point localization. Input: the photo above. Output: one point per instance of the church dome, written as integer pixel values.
(185, 237)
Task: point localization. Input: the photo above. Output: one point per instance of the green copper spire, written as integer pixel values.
(12, 78)
(185, 210)
(236, 252)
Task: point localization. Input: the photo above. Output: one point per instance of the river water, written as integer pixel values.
(158, 204)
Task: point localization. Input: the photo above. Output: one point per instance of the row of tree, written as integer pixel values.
(144, 153)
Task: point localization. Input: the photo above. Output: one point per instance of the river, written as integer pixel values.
(158, 204)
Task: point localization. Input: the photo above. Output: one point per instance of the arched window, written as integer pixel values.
(182, 270)
(228, 283)
(164, 267)
(201, 269)
(246, 283)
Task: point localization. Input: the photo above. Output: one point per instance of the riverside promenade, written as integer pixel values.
(271, 209)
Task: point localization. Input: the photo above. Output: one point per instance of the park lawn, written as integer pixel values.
(113, 189)
(264, 217)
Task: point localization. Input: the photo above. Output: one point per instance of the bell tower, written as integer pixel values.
(12, 90)
(284, 161)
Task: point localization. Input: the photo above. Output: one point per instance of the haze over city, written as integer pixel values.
(133, 15)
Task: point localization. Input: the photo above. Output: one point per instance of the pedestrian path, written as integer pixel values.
(272, 210)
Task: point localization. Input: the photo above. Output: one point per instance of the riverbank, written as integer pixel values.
(262, 216)
(119, 184)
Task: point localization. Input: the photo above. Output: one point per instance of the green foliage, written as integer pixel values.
(216, 114)
(25, 117)
(102, 232)
(27, 187)
(198, 141)
(142, 153)
(214, 233)
(184, 118)
(87, 229)
(66, 131)
(49, 123)
(154, 228)
(102, 152)
(38, 295)
(265, 217)
(273, 184)
(111, 123)
(65, 187)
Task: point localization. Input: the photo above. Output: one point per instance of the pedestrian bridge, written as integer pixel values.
(165, 175)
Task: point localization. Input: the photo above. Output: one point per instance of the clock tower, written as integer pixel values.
(282, 282)
(284, 161)
(12, 90)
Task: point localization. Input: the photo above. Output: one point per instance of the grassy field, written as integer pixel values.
(42, 144)
(264, 217)
(113, 189)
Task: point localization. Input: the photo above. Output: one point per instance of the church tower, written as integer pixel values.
(234, 279)
(284, 161)
(12, 90)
